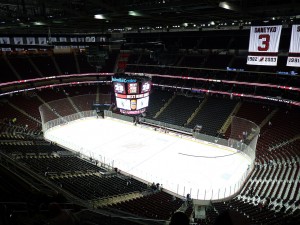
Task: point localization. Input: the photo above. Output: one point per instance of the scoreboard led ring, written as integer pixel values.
(132, 93)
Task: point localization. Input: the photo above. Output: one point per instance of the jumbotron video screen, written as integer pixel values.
(132, 93)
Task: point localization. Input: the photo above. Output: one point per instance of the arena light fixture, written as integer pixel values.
(38, 23)
(224, 5)
(228, 6)
(134, 13)
(99, 17)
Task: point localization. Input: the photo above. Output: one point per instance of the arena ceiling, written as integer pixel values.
(79, 15)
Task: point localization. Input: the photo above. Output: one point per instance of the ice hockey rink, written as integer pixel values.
(181, 165)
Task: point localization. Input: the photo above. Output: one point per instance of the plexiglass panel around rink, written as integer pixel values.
(183, 160)
(61, 111)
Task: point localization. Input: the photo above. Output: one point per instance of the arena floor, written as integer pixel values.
(156, 156)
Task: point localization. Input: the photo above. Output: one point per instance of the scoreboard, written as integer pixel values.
(132, 94)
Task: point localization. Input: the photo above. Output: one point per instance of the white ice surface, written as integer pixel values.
(155, 156)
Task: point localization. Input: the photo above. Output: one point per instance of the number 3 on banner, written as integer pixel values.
(265, 42)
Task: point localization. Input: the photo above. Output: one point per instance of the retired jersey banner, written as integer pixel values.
(73, 39)
(4, 40)
(42, 40)
(263, 45)
(30, 40)
(294, 52)
(18, 40)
